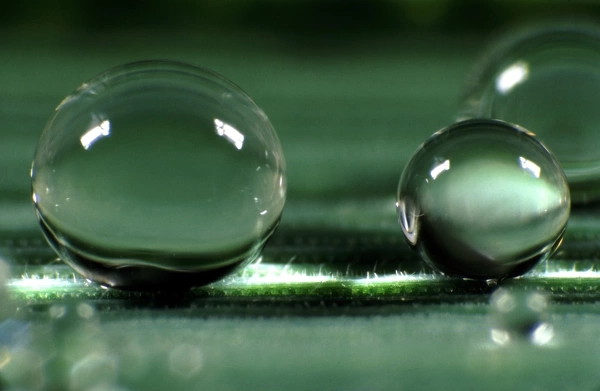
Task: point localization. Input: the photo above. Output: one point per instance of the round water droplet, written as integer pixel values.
(518, 315)
(158, 174)
(547, 79)
(483, 199)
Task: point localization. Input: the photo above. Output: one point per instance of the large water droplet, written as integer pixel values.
(158, 174)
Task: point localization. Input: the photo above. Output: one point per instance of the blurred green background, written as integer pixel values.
(372, 77)
(291, 18)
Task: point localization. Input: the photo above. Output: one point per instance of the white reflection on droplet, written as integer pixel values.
(94, 134)
(281, 186)
(500, 337)
(530, 166)
(503, 301)
(437, 170)
(232, 134)
(512, 76)
(542, 334)
(409, 219)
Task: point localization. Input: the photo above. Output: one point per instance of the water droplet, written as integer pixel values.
(483, 199)
(146, 176)
(547, 79)
(518, 316)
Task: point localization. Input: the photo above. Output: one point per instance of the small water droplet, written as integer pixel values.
(496, 202)
(519, 316)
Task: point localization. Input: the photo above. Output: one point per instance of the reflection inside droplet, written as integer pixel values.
(147, 179)
(511, 76)
(95, 133)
